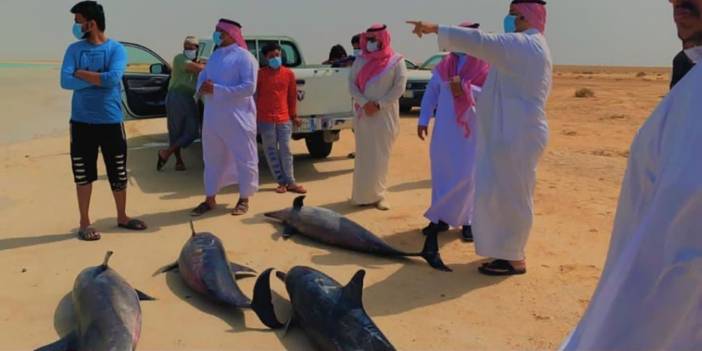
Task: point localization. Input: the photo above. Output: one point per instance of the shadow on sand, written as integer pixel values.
(178, 185)
(20, 242)
(231, 315)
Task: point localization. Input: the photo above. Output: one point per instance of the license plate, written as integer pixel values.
(408, 94)
(307, 125)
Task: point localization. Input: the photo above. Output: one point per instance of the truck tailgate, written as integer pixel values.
(323, 91)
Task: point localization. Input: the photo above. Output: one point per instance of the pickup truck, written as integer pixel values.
(324, 102)
(417, 81)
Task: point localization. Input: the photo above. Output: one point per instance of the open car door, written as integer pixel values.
(145, 83)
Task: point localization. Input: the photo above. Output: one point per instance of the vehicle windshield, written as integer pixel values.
(410, 65)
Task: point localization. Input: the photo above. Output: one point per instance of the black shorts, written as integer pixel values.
(86, 139)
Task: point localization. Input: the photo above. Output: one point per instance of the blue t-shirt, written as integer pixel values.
(95, 104)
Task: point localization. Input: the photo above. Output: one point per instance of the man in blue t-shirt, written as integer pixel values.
(93, 68)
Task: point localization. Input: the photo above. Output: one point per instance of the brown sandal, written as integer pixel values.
(281, 189)
(242, 207)
(297, 189)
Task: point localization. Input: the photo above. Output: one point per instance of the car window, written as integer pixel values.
(291, 57)
(411, 65)
(253, 49)
(139, 60)
(290, 54)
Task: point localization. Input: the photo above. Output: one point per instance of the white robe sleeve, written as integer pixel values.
(399, 85)
(430, 100)
(247, 83)
(353, 88)
(506, 51)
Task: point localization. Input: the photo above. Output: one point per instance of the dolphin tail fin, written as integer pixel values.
(298, 203)
(143, 296)
(165, 269)
(431, 253)
(353, 291)
(67, 343)
(262, 302)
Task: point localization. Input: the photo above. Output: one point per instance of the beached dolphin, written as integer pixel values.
(332, 228)
(107, 310)
(204, 267)
(331, 315)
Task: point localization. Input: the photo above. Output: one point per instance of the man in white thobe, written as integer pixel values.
(377, 81)
(650, 293)
(228, 84)
(450, 99)
(512, 128)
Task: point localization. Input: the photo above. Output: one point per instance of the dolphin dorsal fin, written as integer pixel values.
(298, 203)
(107, 258)
(353, 291)
(192, 228)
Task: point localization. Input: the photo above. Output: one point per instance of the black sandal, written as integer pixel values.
(500, 268)
(133, 224)
(160, 162)
(201, 209)
(242, 207)
(434, 228)
(89, 234)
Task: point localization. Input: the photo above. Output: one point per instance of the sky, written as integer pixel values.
(587, 32)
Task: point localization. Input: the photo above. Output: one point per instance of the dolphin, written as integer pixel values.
(204, 267)
(329, 227)
(107, 310)
(331, 315)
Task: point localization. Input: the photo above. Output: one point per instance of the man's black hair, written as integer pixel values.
(356, 39)
(269, 48)
(92, 11)
(337, 52)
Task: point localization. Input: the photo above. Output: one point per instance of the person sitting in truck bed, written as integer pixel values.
(336, 54)
(347, 61)
(276, 101)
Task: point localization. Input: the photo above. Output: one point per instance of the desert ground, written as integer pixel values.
(417, 308)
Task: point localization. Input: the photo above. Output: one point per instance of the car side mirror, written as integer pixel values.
(158, 68)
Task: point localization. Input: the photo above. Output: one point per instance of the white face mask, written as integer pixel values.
(372, 46)
(357, 52)
(190, 54)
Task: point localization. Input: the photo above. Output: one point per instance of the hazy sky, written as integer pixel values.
(611, 32)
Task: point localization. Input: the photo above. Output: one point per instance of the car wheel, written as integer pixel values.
(317, 147)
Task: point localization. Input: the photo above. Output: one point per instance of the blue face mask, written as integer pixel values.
(372, 46)
(510, 24)
(275, 62)
(78, 31)
(217, 38)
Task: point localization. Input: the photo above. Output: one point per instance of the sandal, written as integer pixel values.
(201, 209)
(242, 207)
(281, 189)
(133, 224)
(180, 167)
(499, 268)
(160, 162)
(89, 234)
(297, 189)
